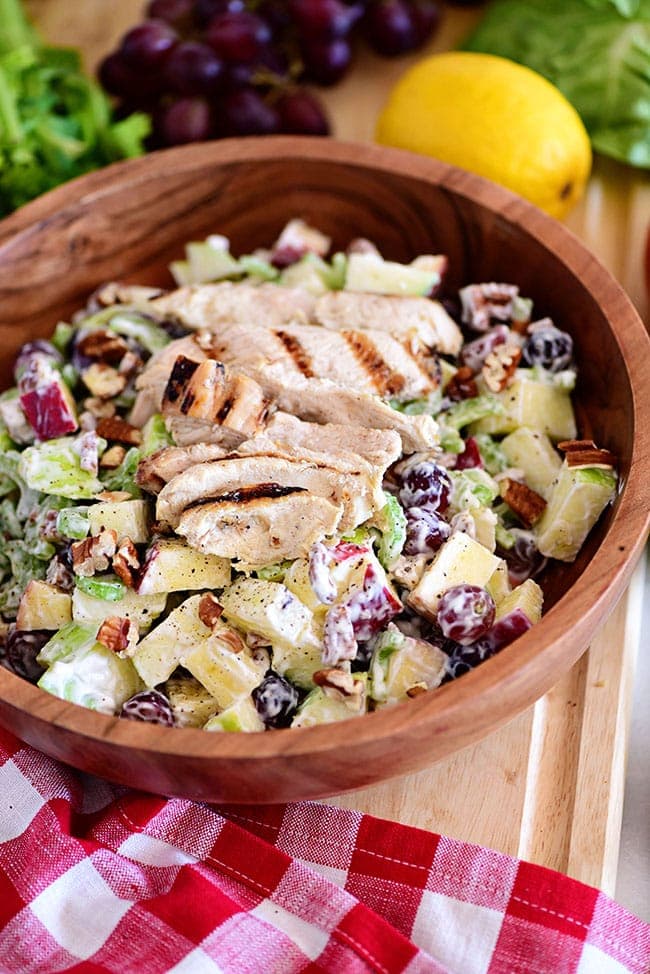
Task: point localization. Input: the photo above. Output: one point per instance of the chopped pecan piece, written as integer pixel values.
(113, 292)
(103, 381)
(113, 457)
(116, 428)
(500, 366)
(117, 633)
(462, 385)
(340, 685)
(416, 690)
(527, 504)
(58, 574)
(99, 408)
(590, 458)
(126, 562)
(93, 554)
(113, 496)
(130, 364)
(483, 303)
(209, 610)
(230, 640)
(585, 453)
(101, 345)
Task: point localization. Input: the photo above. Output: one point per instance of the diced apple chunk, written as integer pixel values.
(50, 408)
(461, 559)
(372, 274)
(498, 584)
(142, 609)
(532, 452)
(172, 566)
(227, 675)
(535, 405)
(528, 597)
(240, 717)
(191, 703)
(128, 518)
(578, 499)
(43, 606)
(267, 608)
(158, 654)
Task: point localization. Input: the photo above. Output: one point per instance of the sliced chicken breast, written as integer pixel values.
(321, 401)
(257, 529)
(211, 305)
(356, 492)
(160, 467)
(417, 321)
(378, 447)
(206, 402)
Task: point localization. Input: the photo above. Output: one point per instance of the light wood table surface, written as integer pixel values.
(548, 787)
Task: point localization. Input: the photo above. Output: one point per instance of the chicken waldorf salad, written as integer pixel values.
(294, 489)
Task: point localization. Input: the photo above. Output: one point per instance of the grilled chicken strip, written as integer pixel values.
(418, 321)
(294, 436)
(316, 400)
(259, 524)
(205, 403)
(160, 467)
(321, 401)
(212, 305)
(357, 493)
(150, 383)
(367, 361)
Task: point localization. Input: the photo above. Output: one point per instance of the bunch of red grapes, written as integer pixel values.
(207, 69)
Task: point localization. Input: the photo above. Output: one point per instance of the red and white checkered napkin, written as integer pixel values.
(95, 878)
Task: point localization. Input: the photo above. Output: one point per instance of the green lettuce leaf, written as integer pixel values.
(597, 52)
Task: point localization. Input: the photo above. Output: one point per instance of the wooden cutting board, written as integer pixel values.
(548, 787)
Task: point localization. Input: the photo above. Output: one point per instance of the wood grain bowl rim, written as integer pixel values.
(463, 711)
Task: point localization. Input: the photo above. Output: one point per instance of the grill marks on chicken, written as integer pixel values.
(297, 352)
(354, 493)
(248, 483)
(387, 382)
(204, 402)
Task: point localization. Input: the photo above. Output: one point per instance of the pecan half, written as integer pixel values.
(93, 554)
(117, 633)
(585, 453)
(527, 504)
(340, 685)
(102, 346)
(116, 428)
(103, 381)
(462, 385)
(230, 640)
(483, 303)
(113, 457)
(500, 366)
(126, 562)
(209, 610)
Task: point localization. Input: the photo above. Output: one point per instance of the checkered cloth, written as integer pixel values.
(95, 878)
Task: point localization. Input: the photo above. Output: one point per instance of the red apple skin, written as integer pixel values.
(48, 412)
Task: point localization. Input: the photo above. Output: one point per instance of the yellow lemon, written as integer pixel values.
(495, 118)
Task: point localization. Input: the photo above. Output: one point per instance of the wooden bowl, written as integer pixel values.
(130, 220)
